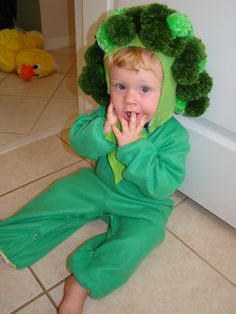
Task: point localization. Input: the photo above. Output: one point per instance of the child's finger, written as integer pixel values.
(133, 121)
(141, 123)
(110, 108)
(143, 120)
(115, 130)
(124, 124)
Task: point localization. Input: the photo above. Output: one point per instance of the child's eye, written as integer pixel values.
(145, 89)
(120, 86)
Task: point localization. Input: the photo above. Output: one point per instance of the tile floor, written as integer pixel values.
(34, 109)
(193, 271)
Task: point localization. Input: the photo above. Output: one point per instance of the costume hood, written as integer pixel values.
(167, 33)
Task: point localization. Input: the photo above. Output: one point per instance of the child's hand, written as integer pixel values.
(111, 119)
(130, 130)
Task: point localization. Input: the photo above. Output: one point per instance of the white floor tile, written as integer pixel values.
(68, 88)
(18, 114)
(178, 197)
(6, 138)
(58, 113)
(33, 161)
(2, 75)
(64, 63)
(17, 287)
(43, 87)
(210, 237)
(39, 306)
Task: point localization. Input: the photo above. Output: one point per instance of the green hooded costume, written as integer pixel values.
(130, 186)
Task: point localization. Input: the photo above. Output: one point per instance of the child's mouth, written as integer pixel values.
(129, 113)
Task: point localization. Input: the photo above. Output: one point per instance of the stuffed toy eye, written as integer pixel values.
(36, 66)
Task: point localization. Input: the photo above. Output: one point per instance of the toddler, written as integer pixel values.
(135, 72)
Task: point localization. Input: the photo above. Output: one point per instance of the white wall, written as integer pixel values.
(58, 23)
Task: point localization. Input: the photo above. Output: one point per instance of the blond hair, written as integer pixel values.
(134, 58)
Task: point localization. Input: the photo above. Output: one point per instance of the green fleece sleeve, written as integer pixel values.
(87, 137)
(156, 168)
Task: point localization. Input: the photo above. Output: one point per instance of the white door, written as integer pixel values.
(211, 167)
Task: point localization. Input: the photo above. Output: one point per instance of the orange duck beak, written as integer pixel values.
(27, 72)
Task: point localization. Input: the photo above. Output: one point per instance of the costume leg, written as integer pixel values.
(51, 217)
(105, 262)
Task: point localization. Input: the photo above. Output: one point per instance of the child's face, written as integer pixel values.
(135, 91)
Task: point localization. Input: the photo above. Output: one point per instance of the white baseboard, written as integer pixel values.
(59, 42)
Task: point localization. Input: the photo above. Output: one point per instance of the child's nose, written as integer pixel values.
(130, 97)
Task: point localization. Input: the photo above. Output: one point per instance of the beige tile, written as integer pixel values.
(210, 237)
(68, 88)
(43, 87)
(39, 306)
(171, 280)
(58, 113)
(73, 69)
(64, 63)
(18, 114)
(66, 51)
(26, 164)
(64, 135)
(11, 202)
(57, 293)
(52, 268)
(178, 197)
(17, 287)
(6, 138)
(2, 75)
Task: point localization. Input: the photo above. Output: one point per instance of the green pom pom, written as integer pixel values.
(103, 38)
(185, 72)
(121, 29)
(197, 90)
(186, 68)
(118, 11)
(197, 107)
(134, 13)
(92, 82)
(155, 33)
(202, 65)
(180, 105)
(180, 25)
(154, 12)
(156, 37)
(175, 47)
(94, 55)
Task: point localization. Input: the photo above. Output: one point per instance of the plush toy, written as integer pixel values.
(22, 52)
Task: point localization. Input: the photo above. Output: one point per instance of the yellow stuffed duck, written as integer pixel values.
(23, 53)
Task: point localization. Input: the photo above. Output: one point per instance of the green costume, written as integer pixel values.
(136, 207)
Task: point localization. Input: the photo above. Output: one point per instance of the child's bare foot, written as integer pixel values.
(73, 298)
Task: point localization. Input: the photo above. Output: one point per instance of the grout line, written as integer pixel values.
(37, 279)
(49, 100)
(42, 286)
(29, 139)
(63, 140)
(42, 177)
(57, 284)
(202, 258)
(181, 202)
(4, 78)
(51, 300)
(40, 114)
(27, 303)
